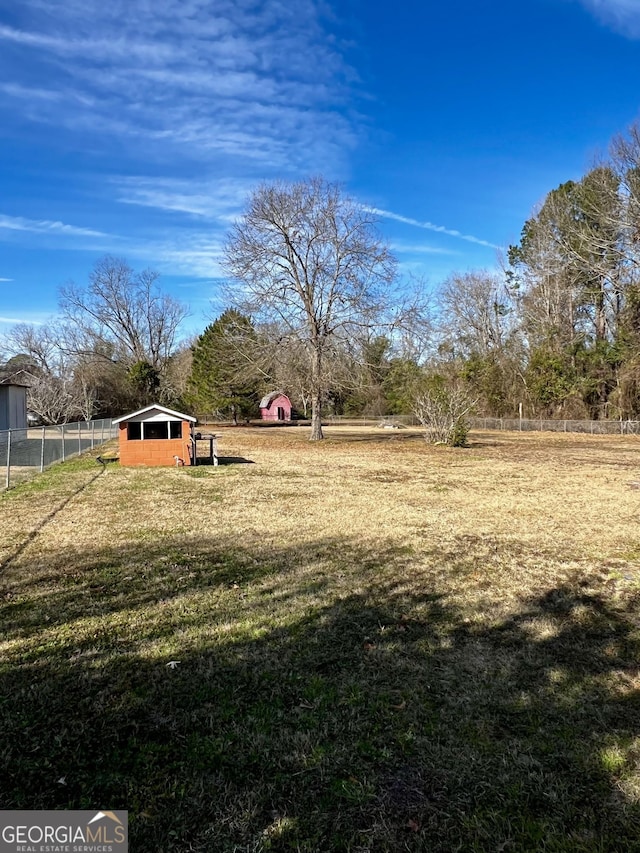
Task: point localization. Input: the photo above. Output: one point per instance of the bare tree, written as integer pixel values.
(52, 393)
(123, 315)
(53, 399)
(37, 345)
(309, 257)
(176, 375)
(477, 311)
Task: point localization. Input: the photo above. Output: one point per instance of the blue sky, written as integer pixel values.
(137, 127)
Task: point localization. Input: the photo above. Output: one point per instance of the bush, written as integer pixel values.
(442, 408)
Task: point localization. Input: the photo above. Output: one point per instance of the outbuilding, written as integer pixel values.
(275, 406)
(13, 406)
(155, 435)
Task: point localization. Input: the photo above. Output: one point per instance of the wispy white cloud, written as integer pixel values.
(32, 93)
(230, 82)
(210, 199)
(621, 15)
(191, 103)
(46, 226)
(419, 249)
(429, 226)
(194, 253)
(6, 279)
(96, 48)
(25, 318)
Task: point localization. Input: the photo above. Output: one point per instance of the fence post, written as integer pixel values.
(93, 430)
(102, 431)
(42, 450)
(8, 458)
(63, 442)
(79, 440)
(565, 425)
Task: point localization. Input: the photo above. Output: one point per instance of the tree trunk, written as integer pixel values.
(601, 318)
(316, 419)
(316, 396)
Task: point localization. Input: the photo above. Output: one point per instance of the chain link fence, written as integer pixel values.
(371, 420)
(513, 424)
(542, 425)
(24, 452)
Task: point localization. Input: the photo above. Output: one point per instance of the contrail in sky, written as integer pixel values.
(429, 226)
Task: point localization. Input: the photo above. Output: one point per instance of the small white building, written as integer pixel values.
(13, 406)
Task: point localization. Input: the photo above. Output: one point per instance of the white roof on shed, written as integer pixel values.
(152, 412)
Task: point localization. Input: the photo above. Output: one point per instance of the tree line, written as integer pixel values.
(316, 308)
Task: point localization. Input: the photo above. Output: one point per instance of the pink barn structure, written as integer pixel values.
(275, 406)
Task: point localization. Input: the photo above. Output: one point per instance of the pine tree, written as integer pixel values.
(223, 379)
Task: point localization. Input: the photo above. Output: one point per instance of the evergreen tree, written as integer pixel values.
(223, 378)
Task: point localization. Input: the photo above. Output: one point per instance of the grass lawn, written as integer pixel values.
(367, 644)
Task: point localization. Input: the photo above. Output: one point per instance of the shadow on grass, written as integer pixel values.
(381, 436)
(15, 554)
(235, 460)
(205, 462)
(242, 703)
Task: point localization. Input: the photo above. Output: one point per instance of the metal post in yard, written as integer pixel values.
(102, 431)
(79, 440)
(8, 458)
(63, 442)
(42, 450)
(93, 429)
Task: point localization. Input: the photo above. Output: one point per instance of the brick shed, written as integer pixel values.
(275, 406)
(155, 436)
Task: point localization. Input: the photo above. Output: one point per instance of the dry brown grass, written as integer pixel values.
(519, 511)
(560, 493)
(503, 562)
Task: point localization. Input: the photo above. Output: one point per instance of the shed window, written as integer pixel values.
(156, 429)
(134, 431)
(175, 429)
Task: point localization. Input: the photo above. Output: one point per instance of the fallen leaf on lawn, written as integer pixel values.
(413, 825)
(173, 664)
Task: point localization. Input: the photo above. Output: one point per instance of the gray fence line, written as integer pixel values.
(371, 420)
(511, 424)
(559, 425)
(26, 451)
